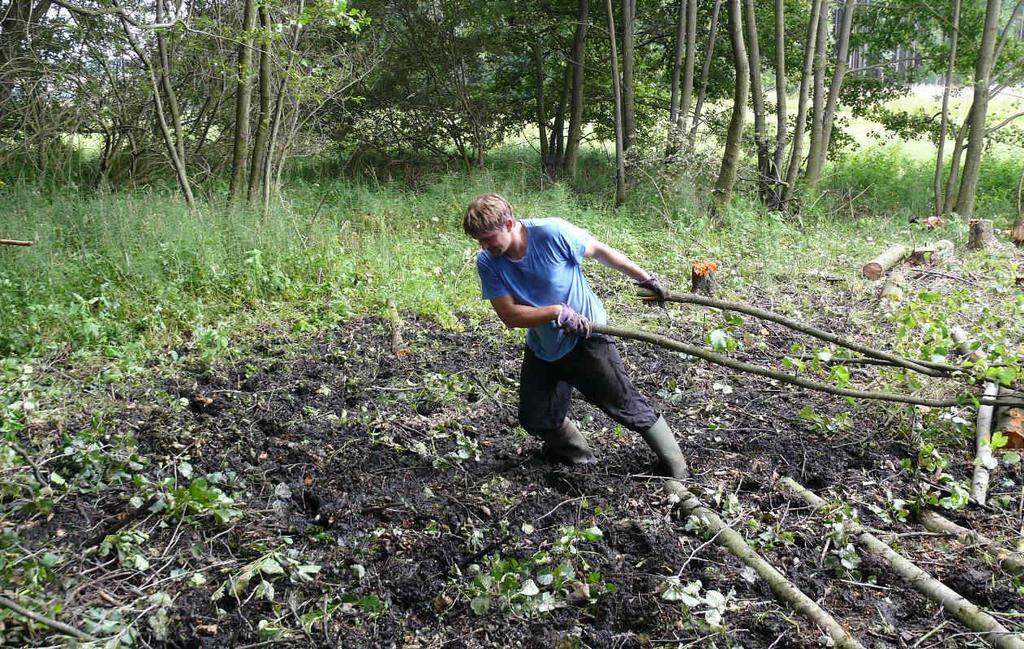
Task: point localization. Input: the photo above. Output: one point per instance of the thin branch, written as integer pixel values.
(42, 619)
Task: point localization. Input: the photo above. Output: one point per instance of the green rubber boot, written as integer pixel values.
(663, 442)
(568, 445)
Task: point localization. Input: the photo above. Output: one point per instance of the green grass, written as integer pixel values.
(133, 274)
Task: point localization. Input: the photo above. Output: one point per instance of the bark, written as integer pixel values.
(983, 460)
(628, 89)
(970, 615)
(259, 144)
(731, 155)
(954, 164)
(243, 98)
(764, 184)
(572, 145)
(677, 73)
(881, 264)
(818, 103)
(979, 111)
(688, 64)
(947, 83)
(620, 167)
(817, 160)
(705, 72)
(165, 82)
(557, 146)
(780, 103)
(796, 153)
(784, 590)
(982, 235)
(1011, 562)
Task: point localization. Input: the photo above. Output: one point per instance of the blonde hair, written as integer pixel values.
(486, 213)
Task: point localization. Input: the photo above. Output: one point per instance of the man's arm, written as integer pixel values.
(519, 315)
(613, 258)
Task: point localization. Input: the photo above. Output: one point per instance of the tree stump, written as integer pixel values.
(702, 277)
(878, 266)
(1017, 232)
(982, 235)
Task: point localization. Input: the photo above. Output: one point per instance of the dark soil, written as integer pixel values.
(346, 456)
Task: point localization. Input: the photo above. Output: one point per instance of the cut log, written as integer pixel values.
(969, 614)
(1017, 232)
(936, 253)
(702, 277)
(892, 289)
(14, 242)
(1010, 561)
(1010, 422)
(881, 264)
(963, 344)
(982, 235)
(984, 461)
(785, 591)
(398, 347)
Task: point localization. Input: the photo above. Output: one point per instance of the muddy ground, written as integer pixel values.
(405, 480)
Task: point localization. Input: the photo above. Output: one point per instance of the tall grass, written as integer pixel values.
(134, 273)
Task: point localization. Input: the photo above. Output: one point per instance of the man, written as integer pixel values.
(531, 271)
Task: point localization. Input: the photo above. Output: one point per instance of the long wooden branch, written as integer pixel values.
(14, 242)
(784, 590)
(924, 367)
(1010, 561)
(969, 614)
(983, 459)
(7, 602)
(721, 359)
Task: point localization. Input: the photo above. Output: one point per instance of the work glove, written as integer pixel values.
(652, 284)
(573, 322)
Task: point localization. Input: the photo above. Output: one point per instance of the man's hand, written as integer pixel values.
(573, 322)
(652, 284)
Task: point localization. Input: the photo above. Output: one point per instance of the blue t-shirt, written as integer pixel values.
(549, 273)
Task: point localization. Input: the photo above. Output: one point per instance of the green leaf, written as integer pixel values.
(480, 605)
(1011, 458)
(719, 340)
(999, 439)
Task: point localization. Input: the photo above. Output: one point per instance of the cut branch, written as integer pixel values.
(14, 242)
(759, 370)
(7, 602)
(923, 367)
(1010, 561)
(983, 460)
(881, 264)
(970, 615)
(784, 590)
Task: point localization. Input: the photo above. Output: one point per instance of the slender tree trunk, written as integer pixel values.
(780, 103)
(542, 119)
(954, 164)
(731, 155)
(572, 145)
(259, 144)
(757, 94)
(243, 97)
(165, 81)
(954, 37)
(979, 110)
(688, 63)
(796, 152)
(677, 70)
(628, 90)
(557, 146)
(818, 105)
(705, 70)
(828, 118)
(620, 160)
(275, 122)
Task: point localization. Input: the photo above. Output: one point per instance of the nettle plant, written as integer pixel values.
(549, 578)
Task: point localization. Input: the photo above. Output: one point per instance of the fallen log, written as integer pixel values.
(721, 359)
(968, 613)
(14, 242)
(983, 458)
(784, 590)
(878, 266)
(1009, 560)
(963, 344)
(982, 235)
(928, 368)
(892, 289)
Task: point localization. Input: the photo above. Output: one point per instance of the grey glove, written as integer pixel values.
(652, 284)
(573, 322)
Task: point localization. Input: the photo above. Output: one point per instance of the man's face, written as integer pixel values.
(497, 241)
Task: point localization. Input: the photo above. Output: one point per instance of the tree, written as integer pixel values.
(730, 156)
(243, 98)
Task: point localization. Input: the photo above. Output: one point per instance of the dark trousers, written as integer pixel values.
(593, 367)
